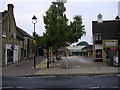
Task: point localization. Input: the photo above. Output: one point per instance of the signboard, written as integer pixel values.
(98, 47)
(34, 41)
(110, 43)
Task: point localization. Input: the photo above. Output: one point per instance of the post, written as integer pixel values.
(118, 43)
(47, 57)
(34, 48)
(34, 21)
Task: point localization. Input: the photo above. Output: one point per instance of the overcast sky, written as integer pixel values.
(88, 9)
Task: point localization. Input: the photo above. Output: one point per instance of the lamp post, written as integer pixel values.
(34, 21)
(118, 31)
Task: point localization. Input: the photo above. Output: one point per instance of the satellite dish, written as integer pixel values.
(99, 18)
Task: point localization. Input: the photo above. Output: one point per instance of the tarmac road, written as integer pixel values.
(93, 82)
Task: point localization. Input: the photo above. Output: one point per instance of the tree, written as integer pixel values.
(76, 29)
(56, 25)
(58, 32)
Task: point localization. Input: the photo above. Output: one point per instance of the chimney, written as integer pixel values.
(10, 7)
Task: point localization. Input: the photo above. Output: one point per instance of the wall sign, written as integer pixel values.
(110, 43)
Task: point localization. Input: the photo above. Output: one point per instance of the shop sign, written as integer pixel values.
(110, 43)
(98, 47)
(13, 47)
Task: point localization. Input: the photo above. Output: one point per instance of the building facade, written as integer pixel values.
(105, 40)
(15, 46)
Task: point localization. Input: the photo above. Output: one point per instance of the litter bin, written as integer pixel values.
(115, 61)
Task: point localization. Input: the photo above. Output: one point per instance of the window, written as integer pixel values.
(3, 33)
(25, 40)
(98, 37)
(14, 35)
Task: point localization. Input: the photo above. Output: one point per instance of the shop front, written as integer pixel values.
(11, 54)
(111, 51)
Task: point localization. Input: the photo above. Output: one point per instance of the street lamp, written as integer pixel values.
(118, 31)
(34, 21)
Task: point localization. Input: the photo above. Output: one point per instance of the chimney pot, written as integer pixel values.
(10, 7)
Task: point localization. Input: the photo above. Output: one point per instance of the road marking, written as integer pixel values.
(114, 87)
(94, 87)
(118, 75)
(19, 87)
(7, 87)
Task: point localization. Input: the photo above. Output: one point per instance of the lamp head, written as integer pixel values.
(34, 19)
(117, 18)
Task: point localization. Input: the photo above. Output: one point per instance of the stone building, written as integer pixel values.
(16, 43)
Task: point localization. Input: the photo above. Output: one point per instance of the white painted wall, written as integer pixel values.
(15, 53)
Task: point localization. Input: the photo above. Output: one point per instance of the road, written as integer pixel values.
(92, 82)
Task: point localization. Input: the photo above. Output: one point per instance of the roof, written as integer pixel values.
(24, 33)
(83, 43)
(75, 48)
(5, 14)
(89, 47)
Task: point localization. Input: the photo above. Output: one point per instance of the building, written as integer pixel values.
(77, 49)
(16, 43)
(89, 50)
(105, 40)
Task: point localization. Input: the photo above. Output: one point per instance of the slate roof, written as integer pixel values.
(5, 14)
(24, 33)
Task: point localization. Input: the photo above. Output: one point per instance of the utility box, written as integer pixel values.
(115, 61)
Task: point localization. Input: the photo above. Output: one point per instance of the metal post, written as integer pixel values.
(34, 21)
(118, 43)
(34, 48)
(47, 57)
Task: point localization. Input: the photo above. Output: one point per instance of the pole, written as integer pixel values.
(34, 48)
(47, 57)
(118, 43)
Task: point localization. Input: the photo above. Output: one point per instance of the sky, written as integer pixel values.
(24, 10)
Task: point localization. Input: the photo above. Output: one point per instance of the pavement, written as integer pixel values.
(75, 65)
(22, 68)
(70, 66)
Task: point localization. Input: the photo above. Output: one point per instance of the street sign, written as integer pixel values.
(34, 41)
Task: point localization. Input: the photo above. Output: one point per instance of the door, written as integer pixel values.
(9, 55)
(99, 53)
